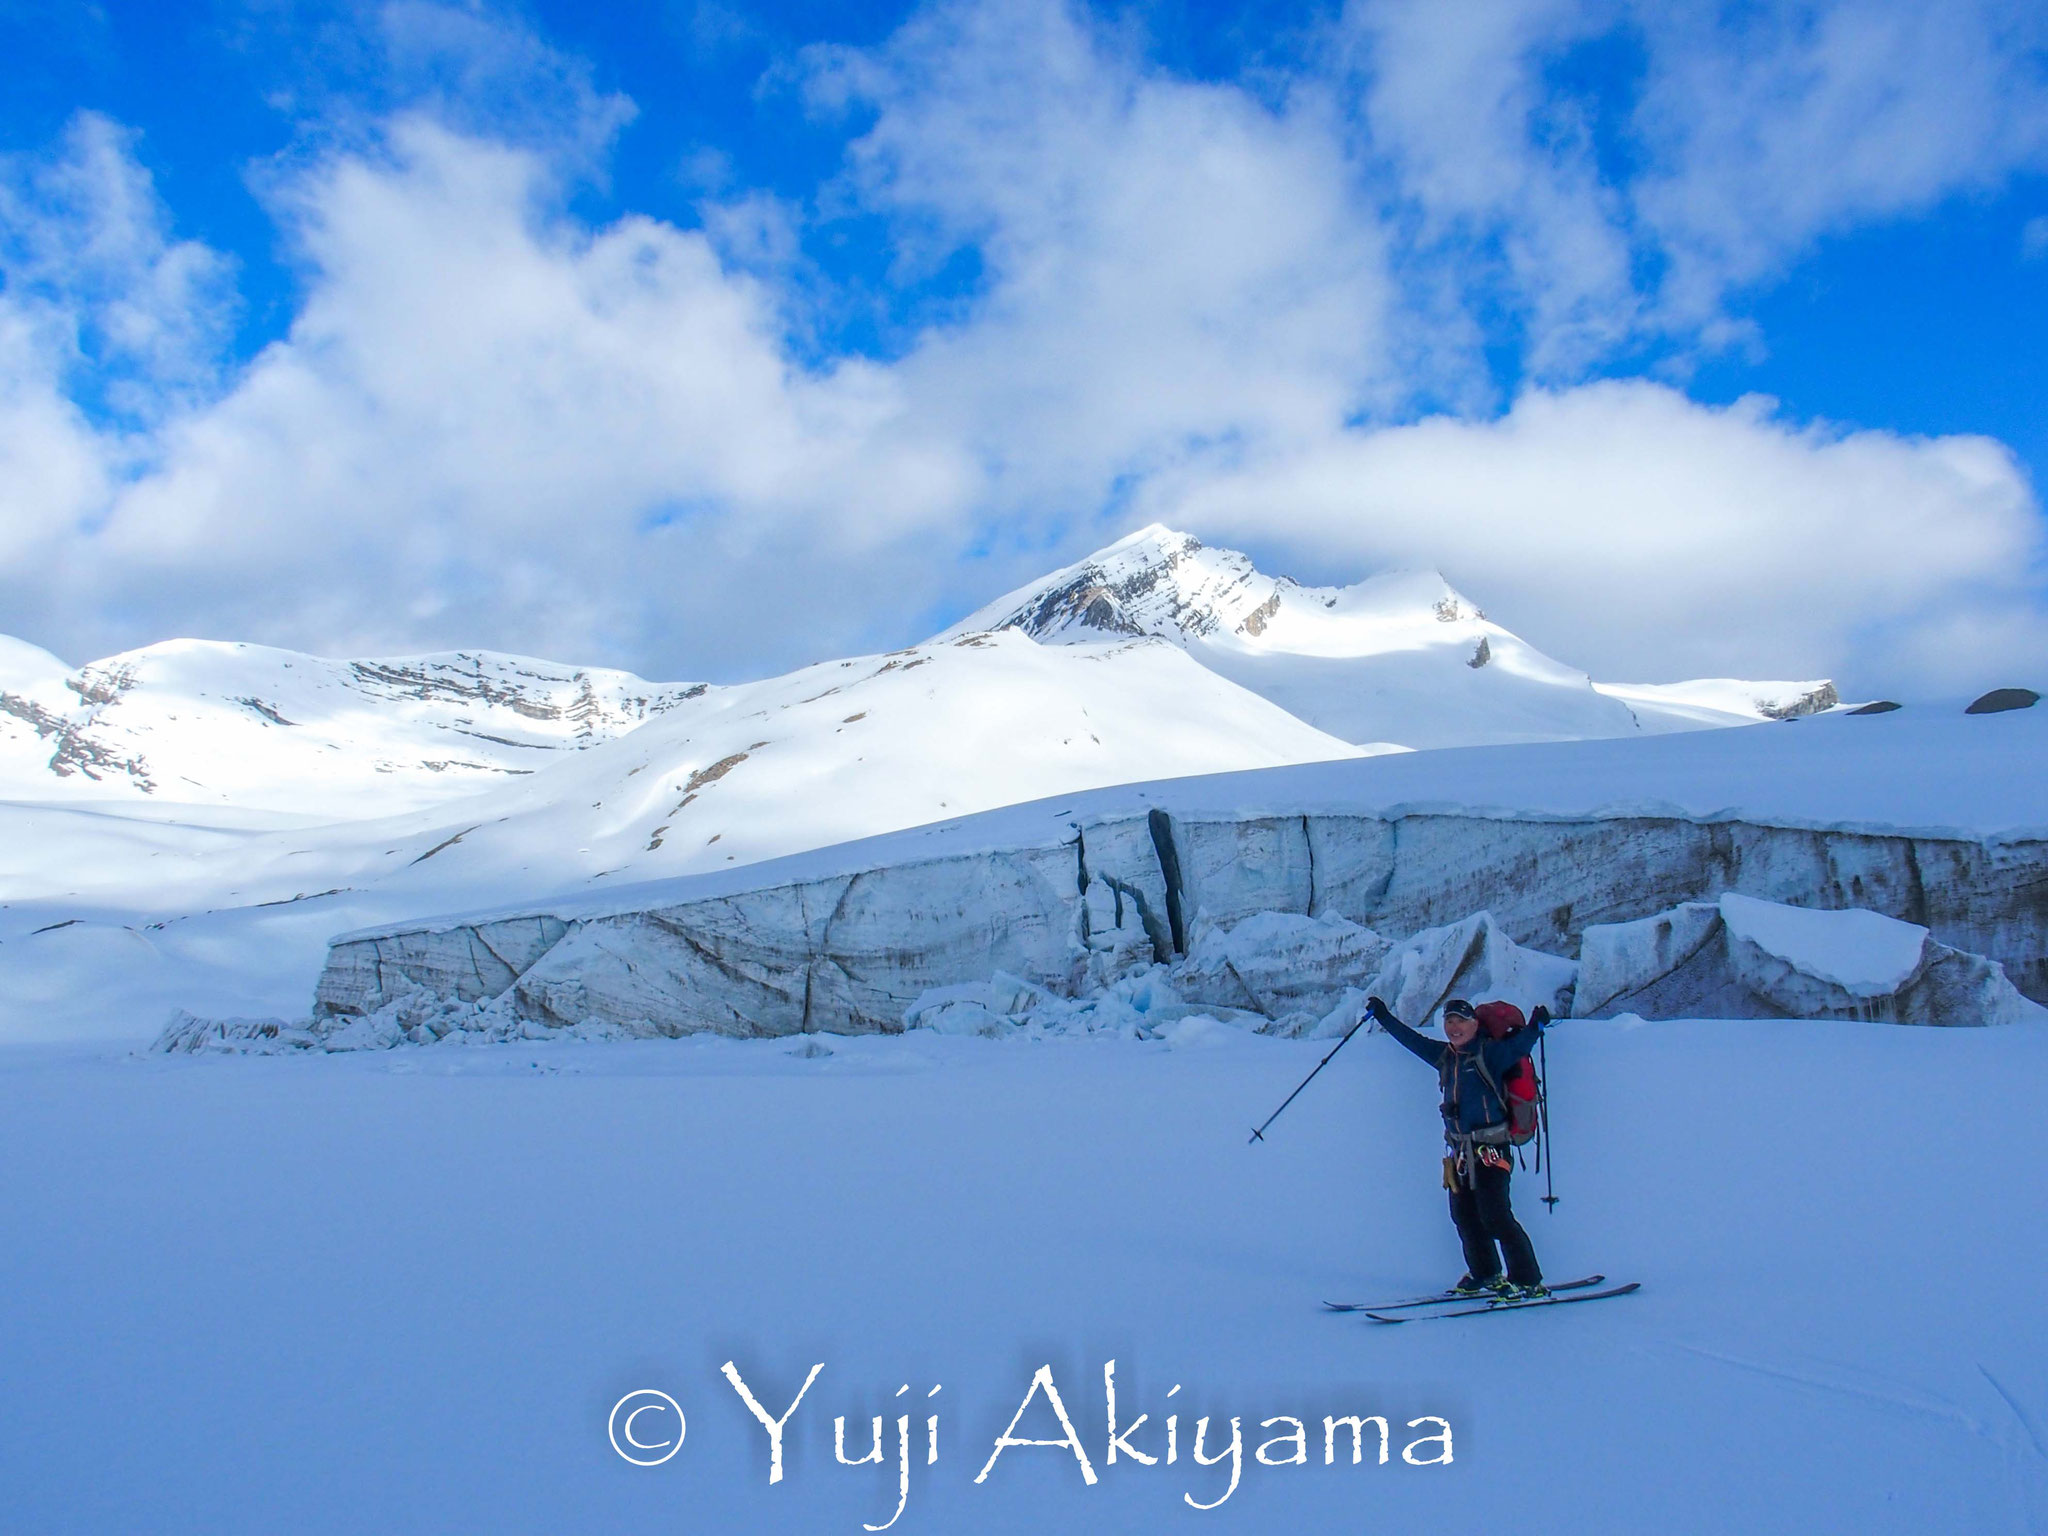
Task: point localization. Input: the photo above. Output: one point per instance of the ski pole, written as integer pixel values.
(1260, 1133)
(1549, 1150)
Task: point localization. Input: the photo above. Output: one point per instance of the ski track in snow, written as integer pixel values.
(2019, 1412)
(1828, 1376)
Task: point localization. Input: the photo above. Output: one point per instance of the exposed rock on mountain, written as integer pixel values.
(1399, 658)
(265, 729)
(1998, 700)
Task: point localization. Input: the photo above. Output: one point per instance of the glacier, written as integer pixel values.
(1075, 894)
(850, 953)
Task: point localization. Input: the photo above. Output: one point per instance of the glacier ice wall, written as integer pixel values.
(849, 952)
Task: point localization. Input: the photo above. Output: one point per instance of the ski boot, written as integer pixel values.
(1512, 1292)
(1495, 1287)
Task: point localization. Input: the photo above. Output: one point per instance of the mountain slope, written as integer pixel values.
(1397, 658)
(264, 729)
(833, 752)
(113, 913)
(189, 823)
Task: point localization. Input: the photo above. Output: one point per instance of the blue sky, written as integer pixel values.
(709, 339)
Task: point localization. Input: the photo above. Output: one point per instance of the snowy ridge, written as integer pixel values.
(1712, 701)
(1400, 657)
(727, 776)
(265, 729)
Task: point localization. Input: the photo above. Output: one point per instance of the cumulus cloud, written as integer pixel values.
(1623, 522)
(488, 422)
(1719, 145)
(493, 422)
(1164, 263)
(108, 326)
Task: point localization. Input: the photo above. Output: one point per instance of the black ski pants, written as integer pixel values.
(1484, 1218)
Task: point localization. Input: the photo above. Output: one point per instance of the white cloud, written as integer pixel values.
(1636, 531)
(97, 304)
(1751, 132)
(1507, 195)
(1800, 121)
(491, 423)
(1164, 262)
(89, 265)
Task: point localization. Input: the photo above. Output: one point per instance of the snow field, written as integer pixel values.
(401, 1291)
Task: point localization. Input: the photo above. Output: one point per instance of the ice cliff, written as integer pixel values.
(1270, 893)
(1408, 904)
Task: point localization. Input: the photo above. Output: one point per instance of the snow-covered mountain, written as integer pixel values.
(820, 756)
(191, 822)
(261, 729)
(1398, 658)
(122, 907)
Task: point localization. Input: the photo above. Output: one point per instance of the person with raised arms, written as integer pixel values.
(1478, 1108)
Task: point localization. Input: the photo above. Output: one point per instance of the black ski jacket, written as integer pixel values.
(1469, 1103)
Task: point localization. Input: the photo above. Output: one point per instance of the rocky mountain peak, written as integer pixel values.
(1159, 581)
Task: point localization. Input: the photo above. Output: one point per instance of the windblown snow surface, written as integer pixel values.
(402, 1291)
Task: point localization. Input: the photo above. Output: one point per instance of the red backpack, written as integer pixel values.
(1520, 1091)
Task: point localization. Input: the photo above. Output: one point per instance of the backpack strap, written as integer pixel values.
(1492, 1083)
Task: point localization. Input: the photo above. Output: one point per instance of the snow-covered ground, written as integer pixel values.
(401, 1292)
(164, 907)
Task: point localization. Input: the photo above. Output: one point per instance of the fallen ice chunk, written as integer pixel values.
(188, 1033)
(1744, 958)
(1865, 953)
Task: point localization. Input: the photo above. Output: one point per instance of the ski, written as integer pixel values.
(1513, 1306)
(1442, 1297)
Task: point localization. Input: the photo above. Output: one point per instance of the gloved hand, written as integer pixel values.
(1375, 1009)
(1539, 1016)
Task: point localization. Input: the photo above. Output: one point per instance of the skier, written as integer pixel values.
(1476, 1129)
